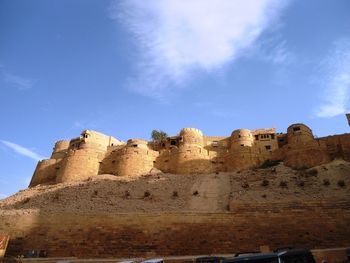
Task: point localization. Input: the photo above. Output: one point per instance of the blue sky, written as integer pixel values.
(125, 67)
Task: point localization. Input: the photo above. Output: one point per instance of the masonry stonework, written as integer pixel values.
(190, 151)
(309, 225)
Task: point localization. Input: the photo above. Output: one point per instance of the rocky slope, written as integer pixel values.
(159, 192)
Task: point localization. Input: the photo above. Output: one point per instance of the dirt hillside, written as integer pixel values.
(159, 192)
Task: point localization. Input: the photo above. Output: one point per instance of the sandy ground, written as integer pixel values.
(175, 193)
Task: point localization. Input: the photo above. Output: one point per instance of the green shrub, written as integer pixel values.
(312, 172)
(283, 184)
(326, 182)
(341, 183)
(245, 185)
(265, 182)
(269, 163)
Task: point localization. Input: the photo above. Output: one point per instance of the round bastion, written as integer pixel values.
(241, 137)
(60, 149)
(299, 133)
(61, 145)
(137, 143)
(191, 136)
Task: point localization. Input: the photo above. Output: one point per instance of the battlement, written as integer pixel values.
(94, 153)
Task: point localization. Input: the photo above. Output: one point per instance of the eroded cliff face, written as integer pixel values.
(167, 214)
(190, 152)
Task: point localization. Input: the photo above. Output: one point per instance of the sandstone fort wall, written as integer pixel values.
(248, 226)
(189, 152)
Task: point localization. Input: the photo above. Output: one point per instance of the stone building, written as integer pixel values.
(190, 151)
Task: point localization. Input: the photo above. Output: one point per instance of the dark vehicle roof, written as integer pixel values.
(209, 257)
(293, 252)
(251, 257)
(282, 254)
(199, 259)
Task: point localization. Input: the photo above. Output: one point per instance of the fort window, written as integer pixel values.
(239, 136)
(134, 145)
(296, 129)
(257, 137)
(272, 136)
(215, 144)
(113, 161)
(281, 140)
(268, 147)
(242, 144)
(85, 135)
(163, 144)
(173, 142)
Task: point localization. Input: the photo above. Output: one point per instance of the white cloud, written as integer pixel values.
(336, 81)
(18, 82)
(23, 151)
(178, 37)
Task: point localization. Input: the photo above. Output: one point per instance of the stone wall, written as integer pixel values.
(45, 172)
(320, 224)
(187, 153)
(79, 165)
(134, 159)
(338, 146)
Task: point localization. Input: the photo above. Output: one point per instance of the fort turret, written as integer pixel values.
(191, 137)
(299, 134)
(133, 159)
(60, 149)
(84, 156)
(241, 137)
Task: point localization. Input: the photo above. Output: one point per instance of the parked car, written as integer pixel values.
(286, 256)
(156, 260)
(209, 259)
(348, 254)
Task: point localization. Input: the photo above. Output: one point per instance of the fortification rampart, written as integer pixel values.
(45, 172)
(250, 225)
(134, 159)
(188, 152)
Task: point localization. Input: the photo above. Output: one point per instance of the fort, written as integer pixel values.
(190, 152)
(189, 194)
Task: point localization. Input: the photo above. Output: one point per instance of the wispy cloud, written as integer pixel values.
(178, 37)
(23, 151)
(274, 50)
(18, 82)
(336, 80)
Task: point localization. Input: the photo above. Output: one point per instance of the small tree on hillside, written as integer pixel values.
(157, 136)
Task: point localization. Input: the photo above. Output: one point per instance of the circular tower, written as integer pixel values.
(79, 165)
(241, 137)
(299, 133)
(60, 149)
(191, 137)
(132, 160)
(241, 155)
